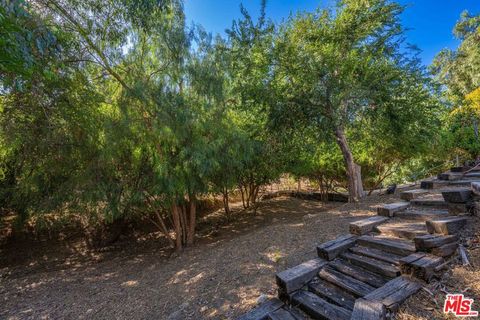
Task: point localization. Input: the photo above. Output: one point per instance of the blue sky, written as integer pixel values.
(430, 22)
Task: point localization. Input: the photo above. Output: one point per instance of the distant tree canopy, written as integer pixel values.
(112, 111)
(458, 72)
(345, 73)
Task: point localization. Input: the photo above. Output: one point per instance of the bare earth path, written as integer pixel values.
(215, 280)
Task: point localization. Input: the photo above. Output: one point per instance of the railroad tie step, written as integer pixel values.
(389, 210)
(446, 226)
(350, 284)
(318, 308)
(430, 241)
(286, 313)
(377, 254)
(420, 265)
(422, 215)
(430, 202)
(438, 245)
(359, 273)
(393, 245)
(296, 277)
(331, 249)
(459, 195)
(332, 293)
(364, 226)
(374, 265)
(407, 230)
(394, 292)
(412, 194)
(262, 311)
(368, 310)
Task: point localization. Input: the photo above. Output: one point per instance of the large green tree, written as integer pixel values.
(336, 68)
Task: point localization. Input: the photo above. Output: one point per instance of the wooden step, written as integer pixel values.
(422, 215)
(332, 293)
(450, 176)
(318, 308)
(446, 226)
(381, 267)
(476, 188)
(472, 175)
(331, 249)
(358, 273)
(396, 291)
(368, 310)
(430, 241)
(459, 195)
(429, 202)
(461, 208)
(377, 254)
(286, 313)
(431, 184)
(459, 169)
(389, 210)
(364, 226)
(263, 310)
(435, 184)
(352, 285)
(295, 278)
(412, 194)
(420, 265)
(407, 230)
(463, 183)
(392, 245)
(446, 250)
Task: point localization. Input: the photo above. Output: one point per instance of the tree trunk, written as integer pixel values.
(177, 226)
(355, 187)
(192, 218)
(184, 222)
(163, 228)
(243, 196)
(226, 204)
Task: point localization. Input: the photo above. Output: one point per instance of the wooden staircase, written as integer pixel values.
(369, 273)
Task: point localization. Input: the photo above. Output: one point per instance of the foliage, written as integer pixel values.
(458, 72)
(113, 111)
(345, 74)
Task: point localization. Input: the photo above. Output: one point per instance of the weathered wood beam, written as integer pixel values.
(364, 226)
(262, 311)
(295, 278)
(368, 310)
(318, 308)
(332, 293)
(331, 249)
(420, 265)
(459, 195)
(374, 265)
(446, 226)
(358, 273)
(389, 210)
(392, 294)
(352, 285)
(412, 194)
(396, 246)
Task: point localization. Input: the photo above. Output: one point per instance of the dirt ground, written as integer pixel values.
(221, 277)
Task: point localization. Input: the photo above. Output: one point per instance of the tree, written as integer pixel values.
(458, 73)
(459, 70)
(334, 67)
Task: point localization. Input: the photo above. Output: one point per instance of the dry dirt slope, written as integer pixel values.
(219, 279)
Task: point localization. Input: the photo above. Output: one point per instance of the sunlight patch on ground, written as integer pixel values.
(195, 279)
(130, 283)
